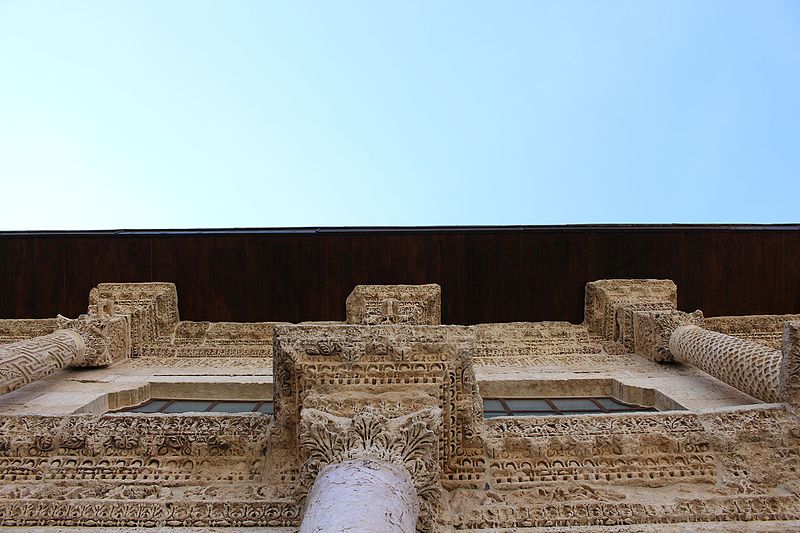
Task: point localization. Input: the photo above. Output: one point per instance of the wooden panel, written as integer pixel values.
(487, 274)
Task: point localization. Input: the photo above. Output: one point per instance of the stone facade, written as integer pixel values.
(379, 422)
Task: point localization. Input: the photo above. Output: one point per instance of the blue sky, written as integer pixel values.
(249, 114)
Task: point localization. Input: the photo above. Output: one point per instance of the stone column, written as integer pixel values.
(89, 341)
(748, 366)
(30, 360)
(361, 496)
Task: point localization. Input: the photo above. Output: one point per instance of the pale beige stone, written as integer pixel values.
(408, 397)
(395, 304)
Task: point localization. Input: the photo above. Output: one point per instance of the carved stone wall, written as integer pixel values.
(407, 395)
(138, 470)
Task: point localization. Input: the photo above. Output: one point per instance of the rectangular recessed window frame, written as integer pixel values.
(263, 407)
(552, 408)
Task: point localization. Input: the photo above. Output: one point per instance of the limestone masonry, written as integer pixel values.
(393, 422)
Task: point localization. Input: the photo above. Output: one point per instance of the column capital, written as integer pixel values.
(652, 331)
(410, 441)
(106, 336)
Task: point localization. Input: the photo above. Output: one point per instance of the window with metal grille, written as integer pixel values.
(493, 407)
(202, 406)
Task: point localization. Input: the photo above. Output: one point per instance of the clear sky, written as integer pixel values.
(186, 114)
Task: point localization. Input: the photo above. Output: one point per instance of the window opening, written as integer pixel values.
(493, 407)
(202, 406)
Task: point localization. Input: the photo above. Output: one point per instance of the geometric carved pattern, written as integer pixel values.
(20, 329)
(26, 361)
(348, 372)
(745, 365)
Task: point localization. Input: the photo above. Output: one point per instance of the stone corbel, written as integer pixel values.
(409, 442)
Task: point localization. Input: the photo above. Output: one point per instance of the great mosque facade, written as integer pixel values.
(642, 418)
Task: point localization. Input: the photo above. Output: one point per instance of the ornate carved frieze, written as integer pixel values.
(395, 304)
(354, 372)
(763, 329)
(20, 329)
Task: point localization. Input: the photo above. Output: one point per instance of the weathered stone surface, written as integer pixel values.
(361, 495)
(610, 304)
(395, 304)
(653, 329)
(790, 365)
(764, 329)
(407, 398)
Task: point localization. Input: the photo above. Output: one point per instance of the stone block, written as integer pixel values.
(790, 365)
(610, 304)
(652, 330)
(395, 304)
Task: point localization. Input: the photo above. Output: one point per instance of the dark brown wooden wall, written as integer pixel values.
(486, 274)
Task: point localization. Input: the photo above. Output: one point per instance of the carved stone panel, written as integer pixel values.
(395, 304)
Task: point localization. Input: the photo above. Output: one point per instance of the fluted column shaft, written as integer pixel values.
(30, 360)
(746, 365)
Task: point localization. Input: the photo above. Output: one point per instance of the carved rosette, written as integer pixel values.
(107, 338)
(653, 329)
(408, 441)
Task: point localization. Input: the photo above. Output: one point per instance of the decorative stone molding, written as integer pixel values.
(20, 329)
(395, 304)
(790, 365)
(763, 329)
(610, 304)
(652, 330)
